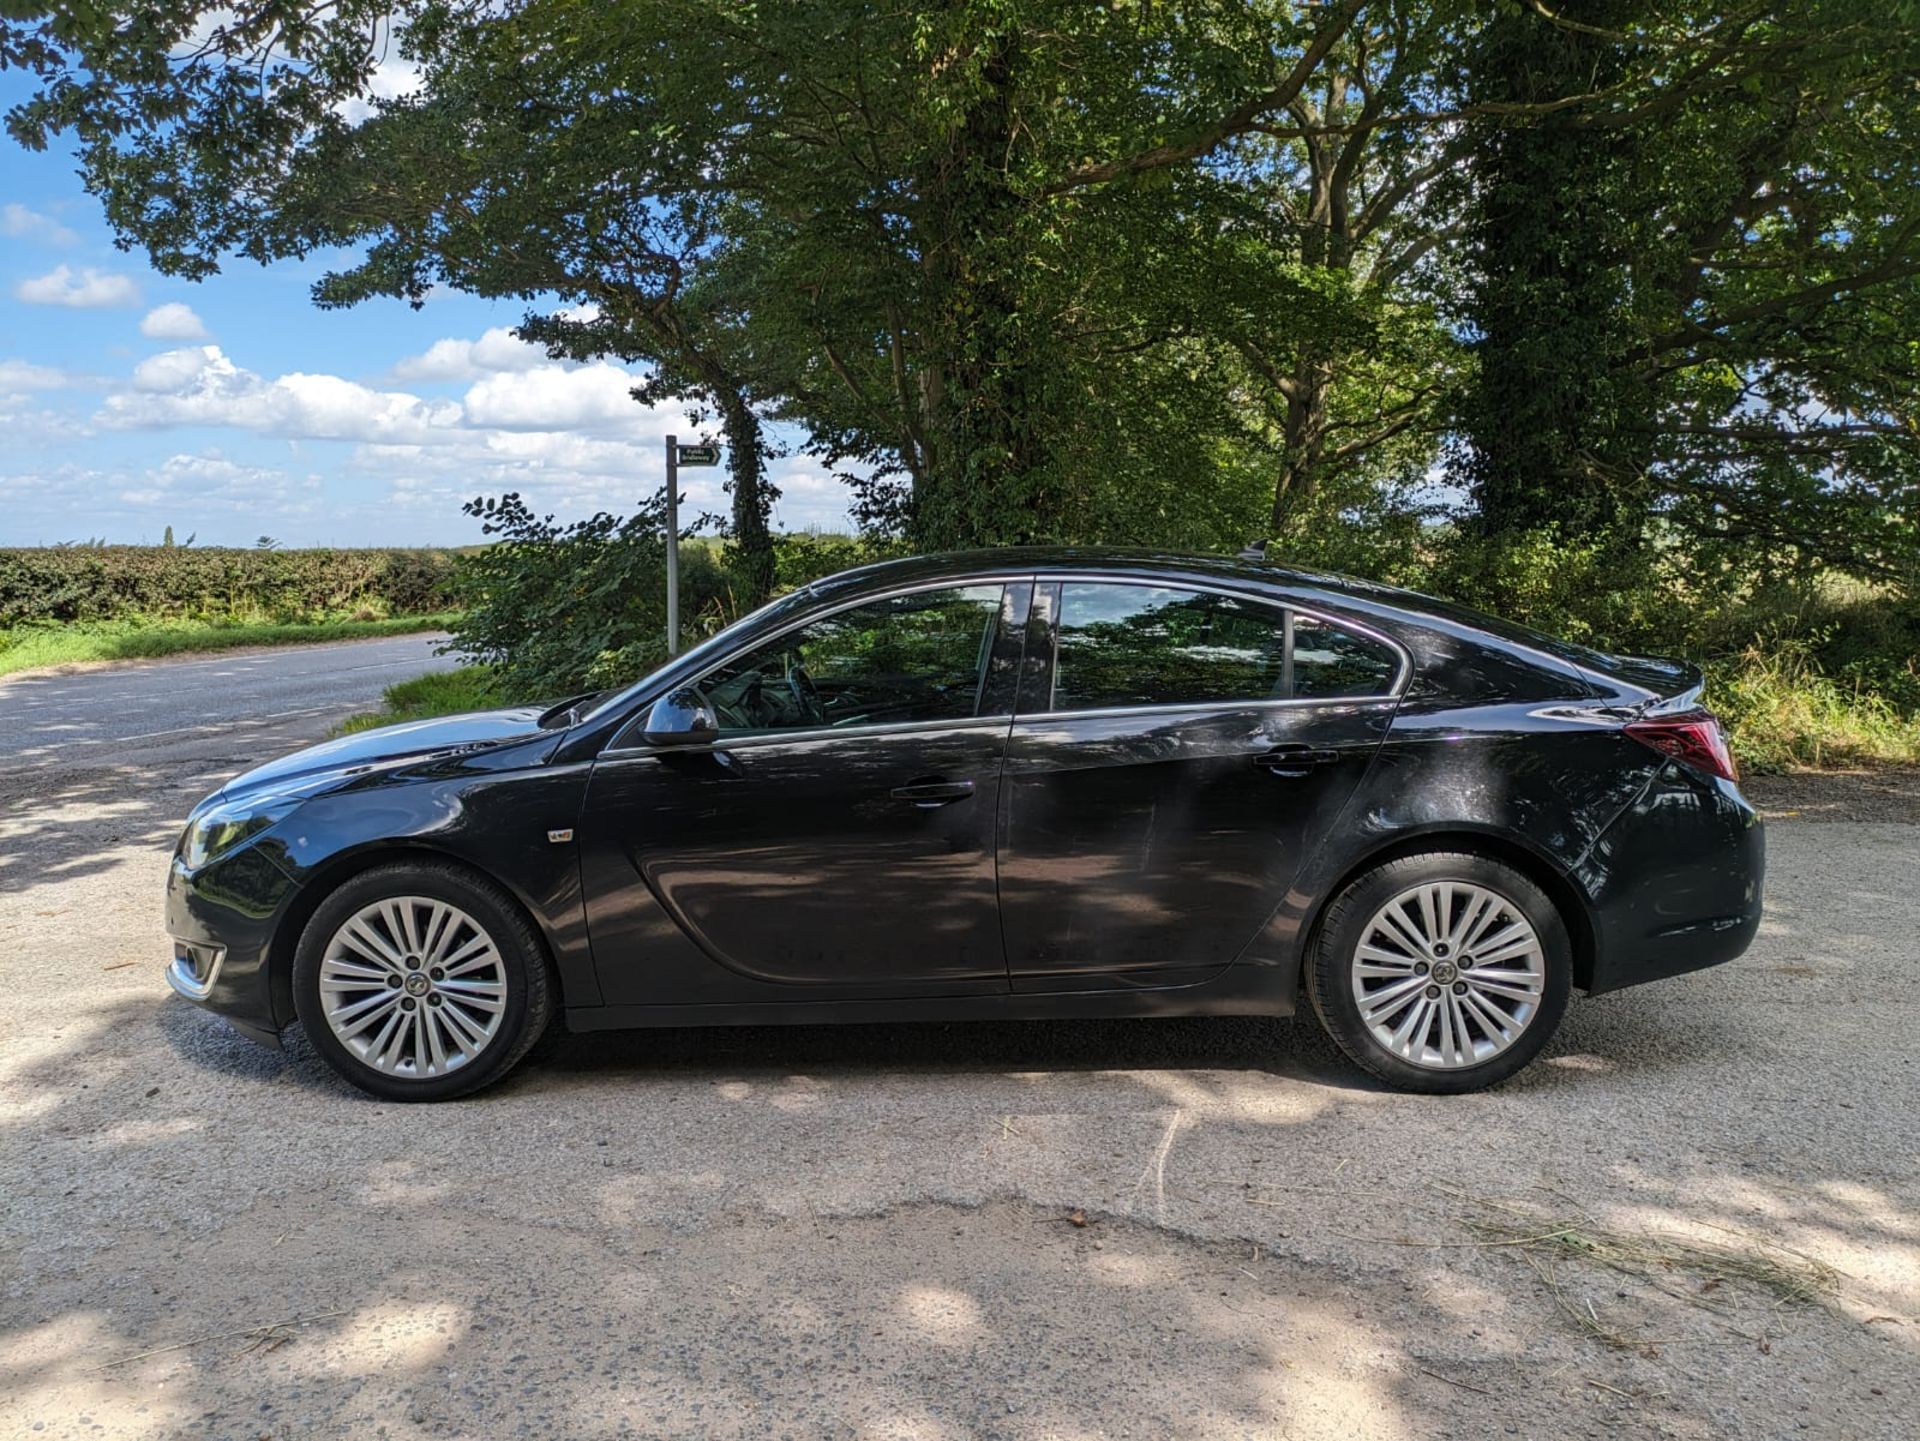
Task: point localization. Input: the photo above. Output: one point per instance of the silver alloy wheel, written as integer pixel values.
(1448, 974)
(413, 986)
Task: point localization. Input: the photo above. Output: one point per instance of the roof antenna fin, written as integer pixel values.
(1255, 550)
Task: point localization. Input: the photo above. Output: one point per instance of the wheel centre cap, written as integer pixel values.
(417, 984)
(1444, 973)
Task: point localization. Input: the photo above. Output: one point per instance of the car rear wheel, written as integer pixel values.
(1441, 972)
(419, 982)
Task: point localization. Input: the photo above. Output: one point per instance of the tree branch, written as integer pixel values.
(1236, 122)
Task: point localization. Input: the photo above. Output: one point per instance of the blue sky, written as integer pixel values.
(233, 408)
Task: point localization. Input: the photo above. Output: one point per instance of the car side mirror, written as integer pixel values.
(680, 718)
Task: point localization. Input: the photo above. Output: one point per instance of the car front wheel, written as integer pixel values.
(420, 982)
(1441, 972)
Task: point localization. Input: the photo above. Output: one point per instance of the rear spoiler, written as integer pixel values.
(1668, 687)
(1692, 698)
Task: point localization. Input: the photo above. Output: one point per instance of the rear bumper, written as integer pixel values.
(1676, 881)
(222, 919)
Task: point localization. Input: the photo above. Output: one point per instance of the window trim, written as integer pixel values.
(1060, 579)
(616, 750)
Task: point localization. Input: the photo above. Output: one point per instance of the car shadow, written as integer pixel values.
(1607, 1037)
(1285, 1049)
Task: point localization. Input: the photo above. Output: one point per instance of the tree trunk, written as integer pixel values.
(753, 498)
(1550, 248)
(979, 484)
(1303, 438)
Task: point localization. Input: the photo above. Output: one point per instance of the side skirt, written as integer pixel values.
(1242, 990)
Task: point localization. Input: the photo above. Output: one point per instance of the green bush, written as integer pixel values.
(556, 610)
(63, 584)
(800, 557)
(441, 692)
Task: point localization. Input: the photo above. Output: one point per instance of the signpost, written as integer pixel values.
(677, 456)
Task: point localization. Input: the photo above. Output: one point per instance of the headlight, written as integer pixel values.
(218, 829)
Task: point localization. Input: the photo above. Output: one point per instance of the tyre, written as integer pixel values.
(1442, 972)
(419, 981)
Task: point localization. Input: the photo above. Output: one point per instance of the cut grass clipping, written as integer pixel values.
(1685, 1268)
(445, 692)
(1559, 1245)
(32, 647)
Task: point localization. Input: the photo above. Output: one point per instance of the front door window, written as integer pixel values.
(909, 658)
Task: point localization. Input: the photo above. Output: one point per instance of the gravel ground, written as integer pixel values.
(869, 1232)
(1882, 795)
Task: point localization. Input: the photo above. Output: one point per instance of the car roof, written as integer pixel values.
(1363, 598)
(1142, 561)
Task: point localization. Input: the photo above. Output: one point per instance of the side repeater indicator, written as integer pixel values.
(560, 838)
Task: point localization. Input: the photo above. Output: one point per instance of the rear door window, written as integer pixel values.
(1125, 646)
(1330, 661)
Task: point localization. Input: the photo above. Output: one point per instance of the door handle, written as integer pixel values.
(932, 792)
(1294, 759)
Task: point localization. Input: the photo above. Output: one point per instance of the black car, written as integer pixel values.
(1002, 784)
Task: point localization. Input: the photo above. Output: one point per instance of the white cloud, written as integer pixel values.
(392, 79)
(495, 351)
(26, 426)
(553, 397)
(17, 222)
(86, 289)
(183, 490)
(173, 321)
(199, 385)
(18, 376)
(810, 499)
(172, 372)
(210, 480)
(20, 422)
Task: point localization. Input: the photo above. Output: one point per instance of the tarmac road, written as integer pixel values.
(150, 710)
(866, 1232)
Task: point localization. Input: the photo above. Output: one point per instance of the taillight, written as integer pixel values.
(1693, 737)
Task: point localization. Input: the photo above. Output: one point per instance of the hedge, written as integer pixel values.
(86, 583)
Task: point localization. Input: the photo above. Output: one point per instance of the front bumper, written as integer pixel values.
(223, 919)
(1676, 881)
(195, 968)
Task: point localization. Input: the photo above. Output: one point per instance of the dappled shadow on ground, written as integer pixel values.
(68, 823)
(862, 1231)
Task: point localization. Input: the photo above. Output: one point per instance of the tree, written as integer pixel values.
(1015, 344)
(1698, 266)
(524, 166)
(1368, 188)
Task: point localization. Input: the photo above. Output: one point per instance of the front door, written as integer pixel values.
(837, 840)
(1167, 781)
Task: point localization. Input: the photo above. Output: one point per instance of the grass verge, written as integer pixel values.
(444, 692)
(1785, 714)
(32, 647)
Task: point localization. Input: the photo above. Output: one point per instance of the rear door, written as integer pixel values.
(1169, 772)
